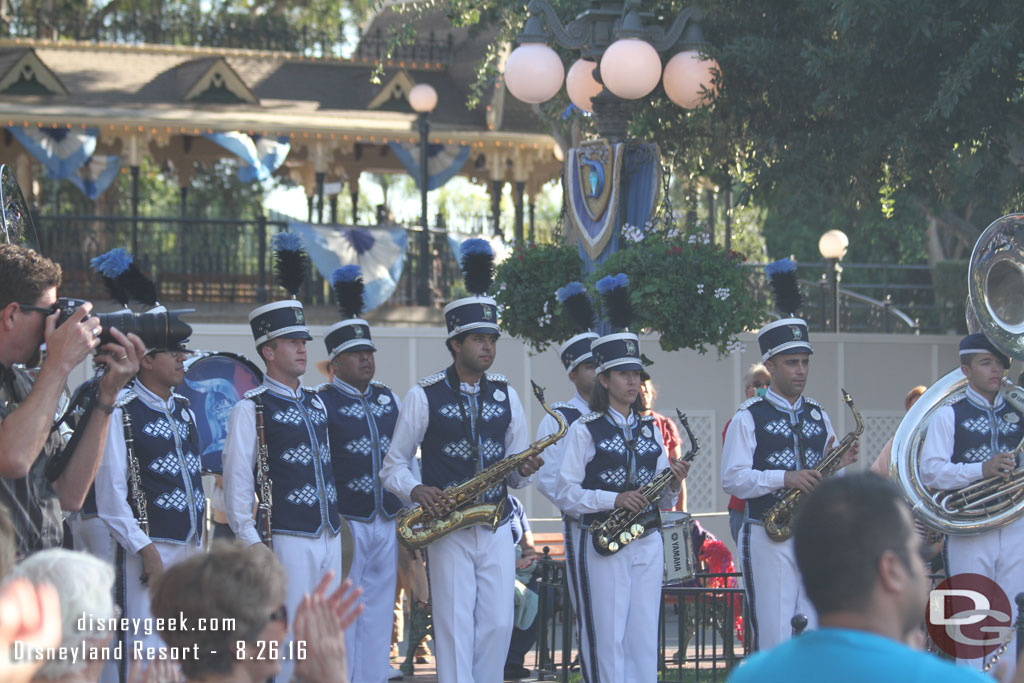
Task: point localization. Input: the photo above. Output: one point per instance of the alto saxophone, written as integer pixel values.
(135, 491)
(418, 528)
(778, 520)
(263, 480)
(623, 526)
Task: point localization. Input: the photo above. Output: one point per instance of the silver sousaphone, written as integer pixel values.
(16, 225)
(995, 306)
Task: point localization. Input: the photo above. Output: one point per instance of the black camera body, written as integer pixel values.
(158, 329)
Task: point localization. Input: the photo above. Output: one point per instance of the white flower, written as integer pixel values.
(700, 288)
(722, 293)
(735, 346)
(632, 233)
(673, 233)
(692, 239)
(501, 288)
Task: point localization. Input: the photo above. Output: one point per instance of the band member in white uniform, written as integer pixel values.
(361, 417)
(304, 521)
(970, 440)
(465, 419)
(579, 364)
(609, 455)
(150, 493)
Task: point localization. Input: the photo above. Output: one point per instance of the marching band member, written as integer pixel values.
(608, 456)
(578, 361)
(969, 440)
(149, 489)
(361, 417)
(773, 444)
(463, 420)
(303, 523)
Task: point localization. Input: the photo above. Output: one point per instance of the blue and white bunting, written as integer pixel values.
(260, 155)
(61, 150)
(443, 161)
(380, 252)
(97, 175)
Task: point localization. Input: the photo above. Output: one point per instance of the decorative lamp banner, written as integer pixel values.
(97, 175)
(60, 150)
(592, 189)
(260, 155)
(380, 252)
(641, 182)
(443, 161)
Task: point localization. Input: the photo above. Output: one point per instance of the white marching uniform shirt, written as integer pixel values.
(305, 559)
(620, 594)
(770, 573)
(547, 480)
(471, 571)
(112, 495)
(997, 554)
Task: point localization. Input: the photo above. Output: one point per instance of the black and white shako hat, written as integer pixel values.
(618, 350)
(477, 313)
(789, 333)
(284, 319)
(352, 333)
(580, 311)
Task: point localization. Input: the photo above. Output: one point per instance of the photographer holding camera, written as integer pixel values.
(29, 440)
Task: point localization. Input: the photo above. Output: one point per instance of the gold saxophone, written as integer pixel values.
(418, 528)
(778, 520)
(622, 526)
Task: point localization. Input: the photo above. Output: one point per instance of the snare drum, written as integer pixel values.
(214, 383)
(677, 534)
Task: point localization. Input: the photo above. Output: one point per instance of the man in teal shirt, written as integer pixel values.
(861, 563)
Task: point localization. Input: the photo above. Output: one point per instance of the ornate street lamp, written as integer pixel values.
(832, 246)
(423, 99)
(620, 60)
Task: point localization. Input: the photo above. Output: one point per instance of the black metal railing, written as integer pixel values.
(431, 48)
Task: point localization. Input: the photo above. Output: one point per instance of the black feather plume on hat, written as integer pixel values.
(290, 262)
(577, 306)
(123, 278)
(785, 287)
(618, 309)
(477, 265)
(347, 283)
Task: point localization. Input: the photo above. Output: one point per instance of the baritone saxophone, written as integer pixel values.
(417, 528)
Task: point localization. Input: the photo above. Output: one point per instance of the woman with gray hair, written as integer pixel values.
(84, 586)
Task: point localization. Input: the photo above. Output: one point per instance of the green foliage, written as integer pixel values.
(525, 285)
(693, 294)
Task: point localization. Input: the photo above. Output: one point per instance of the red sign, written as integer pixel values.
(969, 616)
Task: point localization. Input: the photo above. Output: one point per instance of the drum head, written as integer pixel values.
(214, 383)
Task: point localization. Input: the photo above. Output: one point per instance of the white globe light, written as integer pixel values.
(581, 84)
(534, 73)
(630, 68)
(689, 80)
(833, 244)
(423, 98)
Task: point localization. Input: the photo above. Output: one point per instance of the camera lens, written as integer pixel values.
(160, 329)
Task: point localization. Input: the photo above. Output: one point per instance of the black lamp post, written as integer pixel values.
(423, 99)
(832, 246)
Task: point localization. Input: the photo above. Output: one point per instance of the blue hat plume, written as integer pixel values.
(290, 262)
(577, 305)
(615, 295)
(123, 278)
(785, 287)
(477, 260)
(347, 283)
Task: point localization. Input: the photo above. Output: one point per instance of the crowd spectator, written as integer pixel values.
(755, 383)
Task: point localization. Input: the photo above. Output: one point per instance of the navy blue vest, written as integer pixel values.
(360, 429)
(568, 411)
(786, 440)
(981, 432)
(305, 498)
(625, 458)
(449, 455)
(167, 451)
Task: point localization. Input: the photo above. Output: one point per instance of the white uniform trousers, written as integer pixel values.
(998, 555)
(374, 567)
(775, 591)
(134, 596)
(620, 595)
(91, 535)
(472, 581)
(305, 561)
(571, 538)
